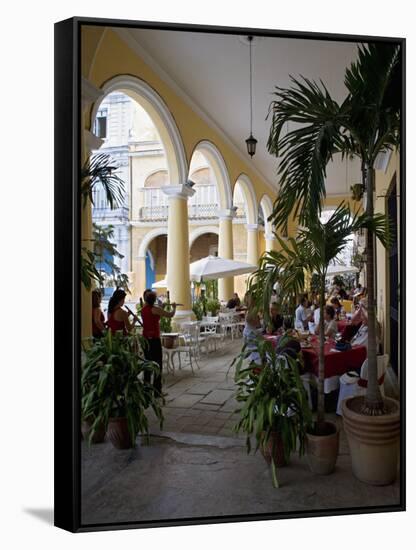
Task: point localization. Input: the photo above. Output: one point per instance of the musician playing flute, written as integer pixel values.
(151, 314)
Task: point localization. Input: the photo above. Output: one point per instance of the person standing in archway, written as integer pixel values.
(151, 315)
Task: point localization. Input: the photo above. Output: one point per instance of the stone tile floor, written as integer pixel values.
(201, 403)
(198, 467)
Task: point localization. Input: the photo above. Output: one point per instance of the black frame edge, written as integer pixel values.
(66, 429)
(67, 488)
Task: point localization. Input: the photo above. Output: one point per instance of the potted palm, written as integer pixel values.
(113, 392)
(274, 405)
(364, 125)
(315, 247)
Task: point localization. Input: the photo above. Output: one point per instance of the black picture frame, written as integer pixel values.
(67, 273)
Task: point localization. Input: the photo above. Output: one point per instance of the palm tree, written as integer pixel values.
(98, 171)
(315, 247)
(364, 125)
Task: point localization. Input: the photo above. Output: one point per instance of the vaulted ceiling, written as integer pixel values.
(212, 72)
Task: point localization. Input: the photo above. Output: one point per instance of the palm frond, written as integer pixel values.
(374, 85)
(98, 170)
(306, 149)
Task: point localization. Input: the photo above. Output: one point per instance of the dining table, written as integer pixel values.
(336, 362)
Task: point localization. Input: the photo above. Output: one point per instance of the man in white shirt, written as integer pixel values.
(302, 314)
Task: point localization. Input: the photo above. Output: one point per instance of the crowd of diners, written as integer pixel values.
(306, 319)
(354, 330)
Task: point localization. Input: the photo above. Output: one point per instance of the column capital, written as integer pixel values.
(226, 214)
(252, 227)
(92, 142)
(270, 236)
(178, 191)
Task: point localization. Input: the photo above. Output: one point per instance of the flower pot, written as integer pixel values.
(99, 434)
(118, 433)
(274, 447)
(169, 342)
(322, 449)
(373, 441)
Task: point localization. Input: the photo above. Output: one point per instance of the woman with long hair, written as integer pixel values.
(98, 320)
(118, 318)
(151, 315)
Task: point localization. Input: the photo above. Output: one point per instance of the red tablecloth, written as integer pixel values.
(342, 324)
(336, 362)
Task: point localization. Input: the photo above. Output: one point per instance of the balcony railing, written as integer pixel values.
(195, 211)
(121, 214)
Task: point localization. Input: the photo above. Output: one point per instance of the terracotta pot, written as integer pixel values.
(322, 450)
(274, 446)
(118, 433)
(373, 441)
(169, 342)
(99, 434)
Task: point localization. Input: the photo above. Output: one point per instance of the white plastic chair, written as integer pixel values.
(351, 385)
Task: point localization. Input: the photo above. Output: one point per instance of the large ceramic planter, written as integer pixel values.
(274, 447)
(118, 433)
(169, 342)
(322, 450)
(99, 434)
(373, 441)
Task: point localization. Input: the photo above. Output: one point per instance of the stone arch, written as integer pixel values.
(266, 204)
(219, 168)
(250, 198)
(148, 238)
(151, 177)
(162, 118)
(201, 231)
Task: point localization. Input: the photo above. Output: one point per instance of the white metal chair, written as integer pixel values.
(210, 336)
(189, 344)
(227, 323)
(351, 384)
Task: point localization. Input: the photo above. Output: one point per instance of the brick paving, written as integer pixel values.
(204, 402)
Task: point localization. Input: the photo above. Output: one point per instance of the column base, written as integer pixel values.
(183, 315)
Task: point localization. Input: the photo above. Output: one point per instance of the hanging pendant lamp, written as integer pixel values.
(251, 141)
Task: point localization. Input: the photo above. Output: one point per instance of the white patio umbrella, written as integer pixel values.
(160, 284)
(337, 269)
(214, 267)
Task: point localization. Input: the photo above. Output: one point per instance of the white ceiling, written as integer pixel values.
(212, 70)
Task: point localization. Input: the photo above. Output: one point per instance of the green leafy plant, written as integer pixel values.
(213, 306)
(98, 171)
(112, 386)
(198, 309)
(166, 322)
(365, 124)
(272, 400)
(315, 247)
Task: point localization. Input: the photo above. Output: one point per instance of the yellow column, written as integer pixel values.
(177, 269)
(139, 277)
(225, 250)
(252, 243)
